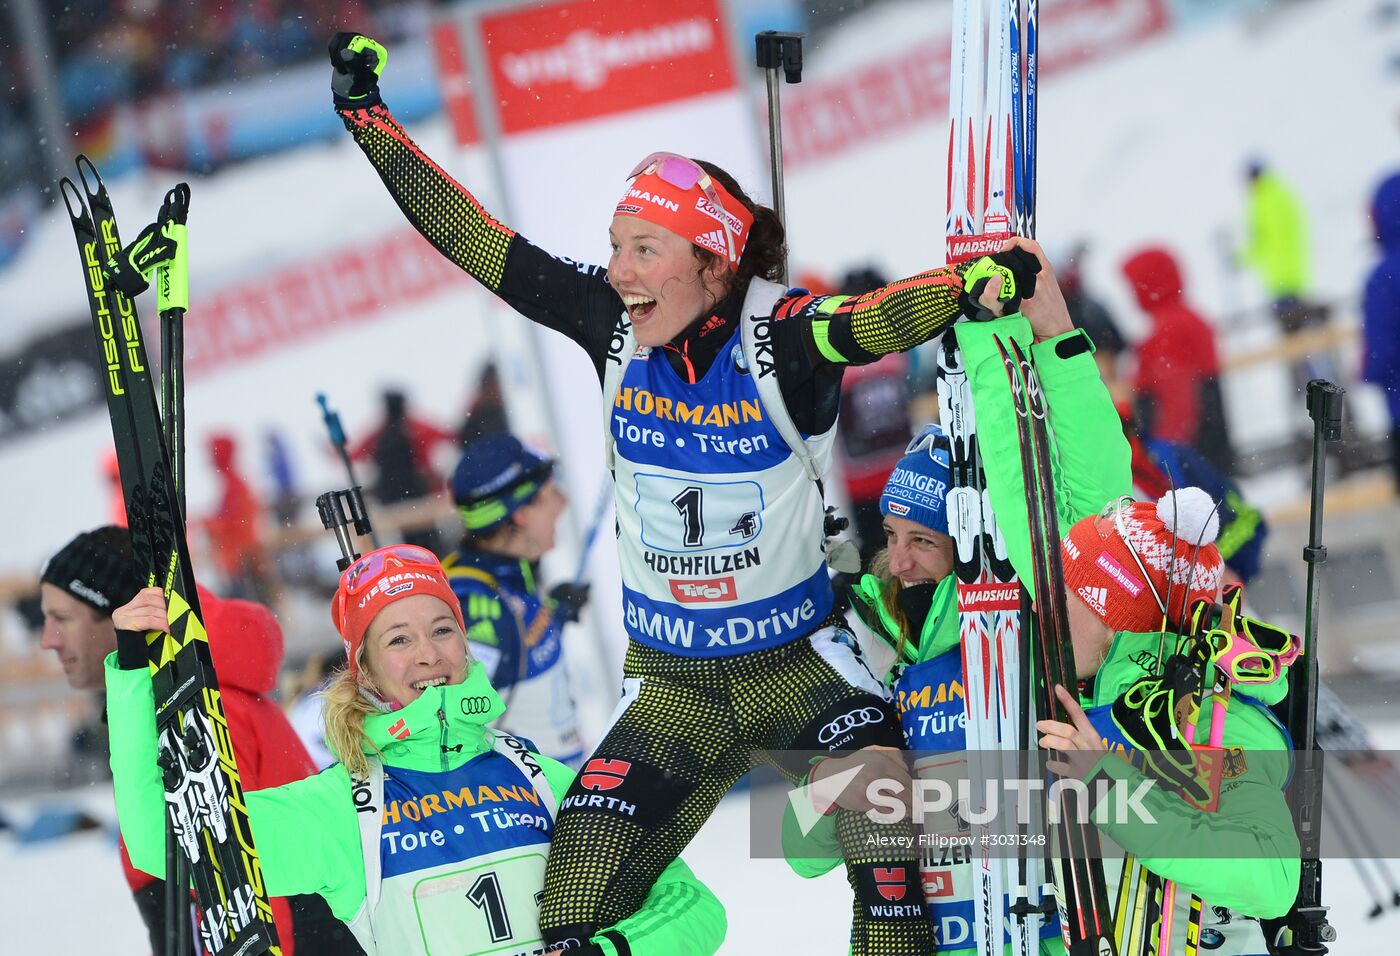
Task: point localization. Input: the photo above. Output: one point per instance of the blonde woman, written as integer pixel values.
(454, 859)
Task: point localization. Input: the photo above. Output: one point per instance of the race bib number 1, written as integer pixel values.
(690, 515)
(493, 908)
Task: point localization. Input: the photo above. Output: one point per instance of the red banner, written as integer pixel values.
(827, 118)
(577, 61)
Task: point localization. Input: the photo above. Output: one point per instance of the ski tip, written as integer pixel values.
(86, 167)
(73, 199)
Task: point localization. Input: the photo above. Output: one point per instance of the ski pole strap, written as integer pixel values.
(129, 268)
(1149, 713)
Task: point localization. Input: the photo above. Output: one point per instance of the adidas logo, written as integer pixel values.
(1095, 598)
(712, 323)
(713, 241)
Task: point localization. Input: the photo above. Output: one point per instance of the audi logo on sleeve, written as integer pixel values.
(861, 717)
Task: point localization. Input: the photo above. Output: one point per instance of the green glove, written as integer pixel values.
(357, 62)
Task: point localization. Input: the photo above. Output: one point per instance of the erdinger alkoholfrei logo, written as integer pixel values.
(603, 774)
(890, 883)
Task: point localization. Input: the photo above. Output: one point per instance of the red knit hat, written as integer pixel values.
(1138, 558)
(379, 579)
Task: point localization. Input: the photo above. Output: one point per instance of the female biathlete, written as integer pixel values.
(909, 599)
(509, 504)
(454, 860)
(720, 390)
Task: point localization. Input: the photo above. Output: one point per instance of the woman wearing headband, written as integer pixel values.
(1128, 568)
(455, 860)
(720, 422)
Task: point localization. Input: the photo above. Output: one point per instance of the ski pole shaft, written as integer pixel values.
(337, 435)
(778, 51)
(600, 512)
(173, 299)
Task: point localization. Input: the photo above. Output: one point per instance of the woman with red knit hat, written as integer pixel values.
(721, 389)
(1133, 574)
(451, 855)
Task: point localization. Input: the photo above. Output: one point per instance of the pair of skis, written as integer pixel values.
(992, 125)
(204, 798)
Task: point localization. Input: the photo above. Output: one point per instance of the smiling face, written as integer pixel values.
(414, 643)
(661, 282)
(78, 635)
(917, 553)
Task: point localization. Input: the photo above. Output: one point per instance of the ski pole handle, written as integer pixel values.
(332, 507)
(776, 51)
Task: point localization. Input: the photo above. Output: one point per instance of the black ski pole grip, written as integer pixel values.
(1326, 407)
(331, 507)
(775, 50)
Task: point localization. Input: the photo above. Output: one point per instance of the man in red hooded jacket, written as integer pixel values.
(1178, 373)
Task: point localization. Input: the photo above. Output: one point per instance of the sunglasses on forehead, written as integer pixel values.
(687, 174)
(932, 439)
(372, 565)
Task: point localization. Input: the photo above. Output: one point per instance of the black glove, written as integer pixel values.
(131, 650)
(357, 62)
(569, 600)
(128, 269)
(1017, 268)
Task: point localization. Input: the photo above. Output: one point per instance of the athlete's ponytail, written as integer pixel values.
(766, 250)
(343, 713)
(890, 587)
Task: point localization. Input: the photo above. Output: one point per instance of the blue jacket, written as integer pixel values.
(1381, 300)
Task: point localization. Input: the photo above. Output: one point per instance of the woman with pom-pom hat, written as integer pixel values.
(1120, 559)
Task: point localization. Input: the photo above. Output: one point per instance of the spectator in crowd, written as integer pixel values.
(235, 528)
(1381, 311)
(1178, 374)
(1160, 465)
(80, 586)
(401, 449)
(1277, 243)
(486, 414)
(874, 426)
(1089, 314)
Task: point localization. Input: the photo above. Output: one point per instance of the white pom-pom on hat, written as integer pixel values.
(1192, 514)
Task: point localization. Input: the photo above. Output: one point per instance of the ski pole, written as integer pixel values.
(600, 512)
(173, 299)
(337, 433)
(1305, 929)
(778, 51)
(341, 511)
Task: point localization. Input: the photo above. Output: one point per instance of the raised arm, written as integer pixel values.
(566, 296)
(305, 832)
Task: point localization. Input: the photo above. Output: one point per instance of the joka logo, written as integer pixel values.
(889, 882)
(703, 591)
(399, 729)
(602, 774)
(846, 723)
(1095, 598)
(937, 884)
(475, 705)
